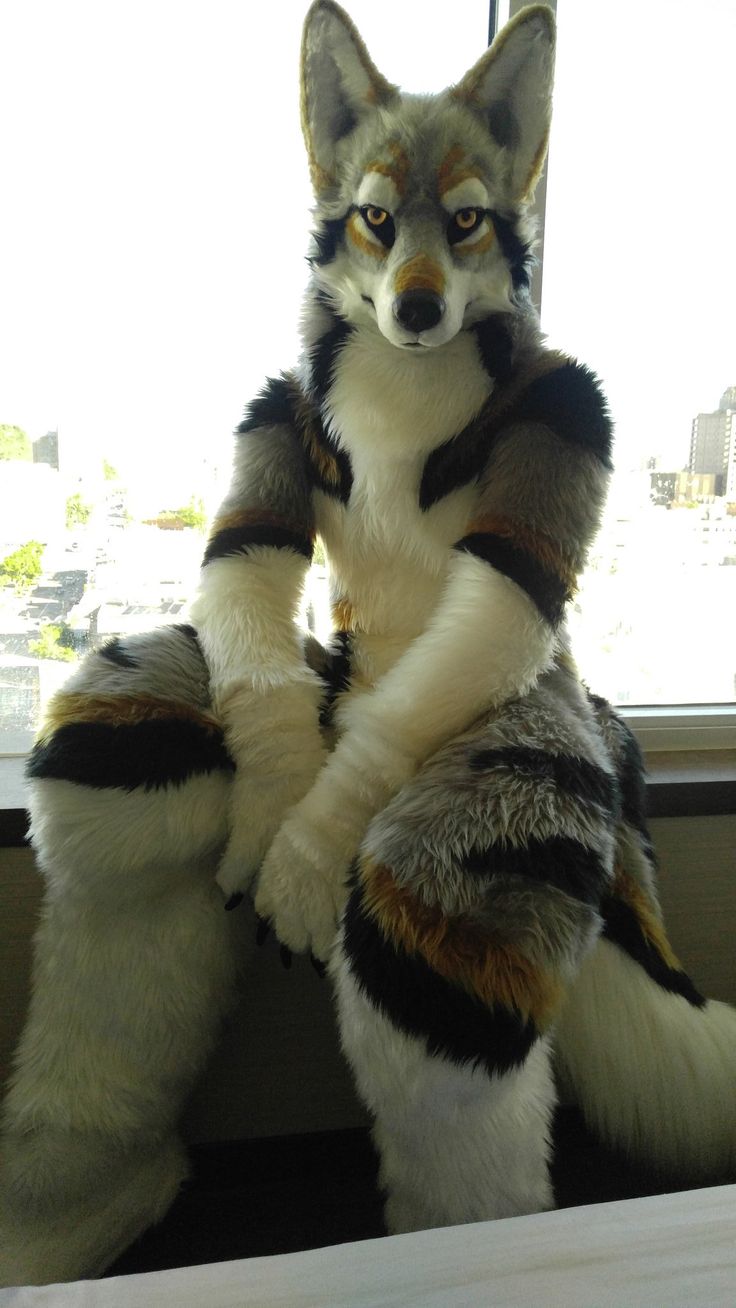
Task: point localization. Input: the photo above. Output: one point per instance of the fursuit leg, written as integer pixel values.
(650, 1061)
(133, 961)
(474, 905)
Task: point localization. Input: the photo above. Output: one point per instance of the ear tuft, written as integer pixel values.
(339, 84)
(511, 88)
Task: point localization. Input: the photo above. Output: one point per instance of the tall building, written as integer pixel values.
(46, 449)
(713, 444)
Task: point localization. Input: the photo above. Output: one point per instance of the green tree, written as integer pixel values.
(23, 567)
(77, 512)
(49, 646)
(108, 472)
(190, 515)
(14, 443)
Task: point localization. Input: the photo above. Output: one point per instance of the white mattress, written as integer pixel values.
(672, 1251)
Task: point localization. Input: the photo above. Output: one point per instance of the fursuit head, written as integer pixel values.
(432, 802)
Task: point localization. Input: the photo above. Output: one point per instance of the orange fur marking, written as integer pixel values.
(344, 614)
(545, 548)
(479, 247)
(451, 173)
(360, 239)
(256, 518)
(459, 949)
(397, 171)
(68, 707)
(627, 889)
(420, 273)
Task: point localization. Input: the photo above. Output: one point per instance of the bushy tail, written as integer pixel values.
(651, 1063)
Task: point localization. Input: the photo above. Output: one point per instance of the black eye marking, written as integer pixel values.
(379, 222)
(463, 222)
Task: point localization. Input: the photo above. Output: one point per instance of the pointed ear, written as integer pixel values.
(511, 86)
(339, 84)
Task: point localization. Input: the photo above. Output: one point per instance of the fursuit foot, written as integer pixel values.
(50, 1234)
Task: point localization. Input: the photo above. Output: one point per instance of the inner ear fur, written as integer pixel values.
(511, 88)
(339, 83)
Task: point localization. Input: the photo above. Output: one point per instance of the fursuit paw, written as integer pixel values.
(257, 809)
(302, 887)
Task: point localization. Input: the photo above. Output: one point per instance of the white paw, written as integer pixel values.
(302, 887)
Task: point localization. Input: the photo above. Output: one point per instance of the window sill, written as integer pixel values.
(690, 783)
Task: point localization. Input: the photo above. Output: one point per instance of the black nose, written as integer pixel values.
(418, 310)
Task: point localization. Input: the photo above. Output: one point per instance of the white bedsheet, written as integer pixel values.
(672, 1251)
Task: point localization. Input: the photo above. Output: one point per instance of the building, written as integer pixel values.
(713, 445)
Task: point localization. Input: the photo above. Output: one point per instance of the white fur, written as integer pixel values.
(245, 618)
(378, 190)
(652, 1073)
(456, 1145)
(133, 965)
(468, 194)
(67, 1240)
(266, 696)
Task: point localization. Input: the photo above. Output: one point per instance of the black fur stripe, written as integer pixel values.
(165, 752)
(337, 674)
(621, 927)
(328, 239)
(421, 1003)
(323, 356)
(115, 652)
(569, 401)
(575, 776)
(547, 590)
(495, 346)
(516, 252)
(272, 408)
(560, 861)
(455, 463)
(238, 540)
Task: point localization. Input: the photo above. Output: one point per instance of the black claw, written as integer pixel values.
(285, 955)
(319, 967)
(233, 901)
(262, 929)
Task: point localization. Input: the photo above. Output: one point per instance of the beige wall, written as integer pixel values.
(278, 1068)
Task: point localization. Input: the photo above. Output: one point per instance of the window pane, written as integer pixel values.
(640, 282)
(154, 227)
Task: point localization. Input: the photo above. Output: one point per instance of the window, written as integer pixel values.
(150, 281)
(639, 280)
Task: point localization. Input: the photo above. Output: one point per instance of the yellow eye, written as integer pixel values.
(375, 216)
(467, 219)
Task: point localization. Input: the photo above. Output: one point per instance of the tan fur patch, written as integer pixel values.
(459, 950)
(452, 171)
(363, 242)
(627, 889)
(344, 615)
(420, 273)
(478, 247)
(545, 548)
(67, 707)
(255, 518)
(397, 172)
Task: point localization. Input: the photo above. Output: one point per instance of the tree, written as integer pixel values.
(108, 472)
(191, 515)
(23, 567)
(49, 644)
(14, 443)
(77, 512)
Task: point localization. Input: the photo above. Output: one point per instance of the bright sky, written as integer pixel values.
(152, 228)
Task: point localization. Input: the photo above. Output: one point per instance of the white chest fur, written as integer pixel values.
(388, 410)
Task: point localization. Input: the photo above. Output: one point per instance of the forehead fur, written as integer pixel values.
(426, 129)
